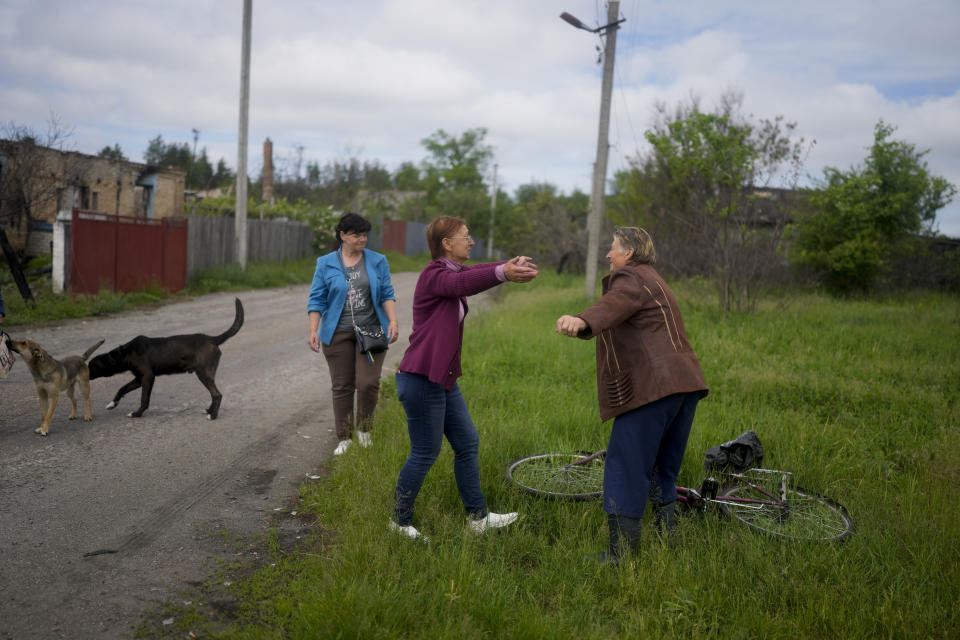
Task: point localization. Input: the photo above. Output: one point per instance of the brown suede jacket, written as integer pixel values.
(642, 349)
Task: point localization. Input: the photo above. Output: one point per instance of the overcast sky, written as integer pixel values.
(371, 79)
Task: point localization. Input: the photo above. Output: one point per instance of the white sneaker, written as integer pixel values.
(342, 447)
(492, 521)
(363, 437)
(410, 531)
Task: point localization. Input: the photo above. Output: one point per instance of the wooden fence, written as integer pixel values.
(212, 241)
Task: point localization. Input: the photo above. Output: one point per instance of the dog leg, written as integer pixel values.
(146, 388)
(215, 396)
(42, 402)
(73, 402)
(124, 390)
(85, 390)
(49, 403)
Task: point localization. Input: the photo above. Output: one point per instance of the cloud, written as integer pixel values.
(375, 78)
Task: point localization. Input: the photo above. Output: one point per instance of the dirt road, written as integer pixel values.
(101, 521)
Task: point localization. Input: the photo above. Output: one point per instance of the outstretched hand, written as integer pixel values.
(520, 269)
(570, 325)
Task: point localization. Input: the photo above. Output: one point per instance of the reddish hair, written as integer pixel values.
(440, 228)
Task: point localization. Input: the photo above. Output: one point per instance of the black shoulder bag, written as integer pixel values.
(370, 339)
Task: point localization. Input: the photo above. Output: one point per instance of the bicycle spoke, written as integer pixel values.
(558, 476)
(803, 516)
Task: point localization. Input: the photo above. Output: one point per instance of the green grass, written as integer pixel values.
(859, 398)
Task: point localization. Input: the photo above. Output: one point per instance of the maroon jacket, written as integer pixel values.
(642, 349)
(437, 335)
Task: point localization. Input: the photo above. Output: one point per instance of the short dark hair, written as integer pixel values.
(351, 223)
(439, 229)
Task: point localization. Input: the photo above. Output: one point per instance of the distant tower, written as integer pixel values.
(268, 171)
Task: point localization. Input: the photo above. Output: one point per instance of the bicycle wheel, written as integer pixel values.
(555, 476)
(802, 516)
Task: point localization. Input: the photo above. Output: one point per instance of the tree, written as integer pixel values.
(453, 177)
(861, 217)
(223, 176)
(112, 153)
(704, 192)
(199, 171)
(37, 168)
(456, 163)
(546, 224)
(407, 177)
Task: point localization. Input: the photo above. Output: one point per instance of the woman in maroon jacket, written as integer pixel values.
(648, 380)
(427, 375)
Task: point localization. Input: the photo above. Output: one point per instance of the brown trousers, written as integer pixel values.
(351, 373)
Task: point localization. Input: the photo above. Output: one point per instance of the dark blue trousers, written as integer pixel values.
(645, 453)
(432, 414)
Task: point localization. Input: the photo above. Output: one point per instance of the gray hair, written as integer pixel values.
(638, 240)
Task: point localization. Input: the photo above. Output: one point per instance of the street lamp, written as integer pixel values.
(573, 20)
(595, 217)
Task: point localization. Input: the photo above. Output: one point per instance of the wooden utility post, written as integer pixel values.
(598, 190)
(241, 215)
(493, 206)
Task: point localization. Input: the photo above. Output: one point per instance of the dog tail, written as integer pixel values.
(89, 352)
(237, 323)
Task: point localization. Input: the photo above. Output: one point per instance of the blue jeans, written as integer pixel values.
(432, 413)
(645, 453)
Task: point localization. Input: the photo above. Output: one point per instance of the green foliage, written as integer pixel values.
(453, 177)
(322, 219)
(861, 217)
(257, 275)
(338, 183)
(400, 263)
(701, 191)
(112, 153)
(546, 225)
(455, 163)
(837, 391)
(407, 177)
(200, 173)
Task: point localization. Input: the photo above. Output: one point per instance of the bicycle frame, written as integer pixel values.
(698, 498)
(707, 493)
(765, 500)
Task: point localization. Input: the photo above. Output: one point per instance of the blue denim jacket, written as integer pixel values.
(328, 293)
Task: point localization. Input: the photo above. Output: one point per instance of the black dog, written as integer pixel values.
(146, 358)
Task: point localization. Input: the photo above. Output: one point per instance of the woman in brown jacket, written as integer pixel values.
(648, 380)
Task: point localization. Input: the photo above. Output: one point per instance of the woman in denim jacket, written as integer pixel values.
(352, 276)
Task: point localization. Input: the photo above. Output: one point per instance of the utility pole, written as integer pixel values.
(493, 206)
(597, 192)
(241, 215)
(193, 156)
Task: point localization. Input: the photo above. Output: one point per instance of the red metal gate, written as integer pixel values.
(395, 236)
(126, 254)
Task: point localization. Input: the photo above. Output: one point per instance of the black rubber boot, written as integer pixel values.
(624, 538)
(664, 519)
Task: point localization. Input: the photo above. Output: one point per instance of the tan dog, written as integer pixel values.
(53, 376)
